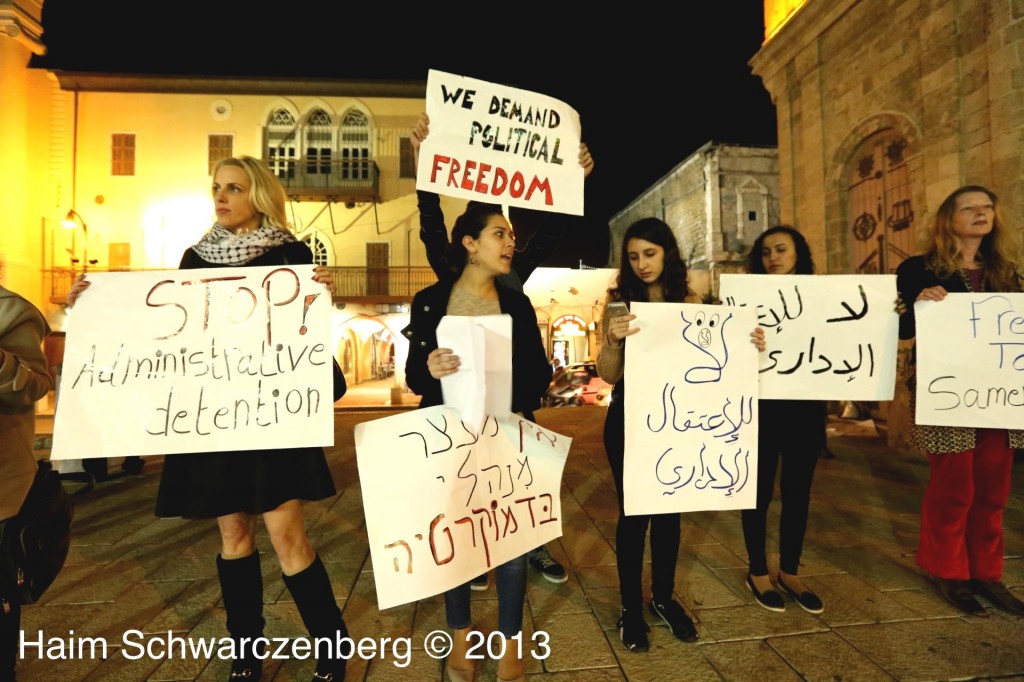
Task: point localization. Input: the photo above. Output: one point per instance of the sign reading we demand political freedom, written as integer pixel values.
(500, 145)
(196, 361)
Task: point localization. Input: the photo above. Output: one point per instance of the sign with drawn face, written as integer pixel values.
(690, 409)
(500, 145)
(444, 505)
(970, 360)
(196, 361)
(828, 337)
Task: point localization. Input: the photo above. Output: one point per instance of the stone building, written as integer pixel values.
(884, 107)
(716, 201)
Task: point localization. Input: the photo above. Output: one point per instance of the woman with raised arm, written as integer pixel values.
(961, 537)
(791, 432)
(651, 270)
(237, 487)
(480, 252)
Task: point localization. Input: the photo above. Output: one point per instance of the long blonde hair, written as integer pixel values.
(999, 248)
(266, 194)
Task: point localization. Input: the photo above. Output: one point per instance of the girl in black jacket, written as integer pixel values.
(481, 250)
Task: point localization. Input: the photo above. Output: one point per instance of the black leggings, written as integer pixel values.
(792, 431)
(631, 531)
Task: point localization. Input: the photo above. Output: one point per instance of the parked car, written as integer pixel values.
(595, 390)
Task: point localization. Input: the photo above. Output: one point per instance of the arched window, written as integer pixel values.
(318, 246)
(318, 142)
(880, 213)
(354, 146)
(282, 146)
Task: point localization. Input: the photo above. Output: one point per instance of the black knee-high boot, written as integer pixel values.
(241, 584)
(10, 624)
(311, 590)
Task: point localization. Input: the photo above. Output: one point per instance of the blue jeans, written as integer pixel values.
(511, 582)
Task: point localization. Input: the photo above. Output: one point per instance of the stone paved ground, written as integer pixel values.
(129, 571)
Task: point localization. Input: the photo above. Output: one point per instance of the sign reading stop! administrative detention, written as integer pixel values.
(501, 145)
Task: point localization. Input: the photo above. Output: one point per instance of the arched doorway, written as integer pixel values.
(880, 215)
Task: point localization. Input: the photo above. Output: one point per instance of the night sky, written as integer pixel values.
(650, 87)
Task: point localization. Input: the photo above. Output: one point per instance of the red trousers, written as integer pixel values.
(962, 510)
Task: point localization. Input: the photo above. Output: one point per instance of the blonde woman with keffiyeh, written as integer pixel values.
(237, 486)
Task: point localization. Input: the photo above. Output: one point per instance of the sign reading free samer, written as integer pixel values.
(970, 360)
(200, 360)
(500, 145)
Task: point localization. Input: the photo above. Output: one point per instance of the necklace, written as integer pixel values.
(967, 279)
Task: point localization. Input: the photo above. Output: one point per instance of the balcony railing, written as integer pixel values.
(317, 179)
(380, 283)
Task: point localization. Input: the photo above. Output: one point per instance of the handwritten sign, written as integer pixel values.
(500, 145)
(196, 361)
(828, 337)
(443, 505)
(691, 409)
(970, 360)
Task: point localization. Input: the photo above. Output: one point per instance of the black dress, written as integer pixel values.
(211, 484)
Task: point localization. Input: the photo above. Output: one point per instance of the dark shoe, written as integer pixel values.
(808, 601)
(959, 595)
(479, 583)
(997, 593)
(311, 590)
(633, 630)
(676, 619)
(542, 560)
(241, 586)
(132, 465)
(770, 599)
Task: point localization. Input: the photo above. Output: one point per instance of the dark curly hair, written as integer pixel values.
(804, 262)
(629, 287)
(472, 221)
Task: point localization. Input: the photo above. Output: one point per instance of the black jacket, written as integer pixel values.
(532, 371)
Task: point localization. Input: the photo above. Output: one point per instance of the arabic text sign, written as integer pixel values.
(828, 337)
(443, 505)
(970, 360)
(691, 409)
(500, 145)
(196, 361)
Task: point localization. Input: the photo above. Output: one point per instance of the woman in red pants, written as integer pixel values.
(961, 544)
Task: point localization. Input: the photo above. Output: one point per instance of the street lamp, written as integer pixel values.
(72, 220)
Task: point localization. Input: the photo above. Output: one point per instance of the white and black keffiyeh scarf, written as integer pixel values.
(222, 246)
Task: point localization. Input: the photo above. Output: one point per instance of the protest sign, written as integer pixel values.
(500, 145)
(444, 505)
(690, 409)
(828, 337)
(196, 361)
(970, 360)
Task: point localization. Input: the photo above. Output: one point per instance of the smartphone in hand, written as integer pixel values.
(616, 308)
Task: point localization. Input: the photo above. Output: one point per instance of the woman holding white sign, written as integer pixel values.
(481, 250)
(651, 270)
(236, 487)
(961, 537)
(790, 431)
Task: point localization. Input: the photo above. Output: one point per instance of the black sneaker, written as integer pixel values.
(633, 630)
(542, 560)
(479, 583)
(674, 616)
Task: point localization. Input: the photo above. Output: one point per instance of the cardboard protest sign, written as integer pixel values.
(970, 360)
(196, 361)
(828, 337)
(690, 409)
(443, 505)
(500, 145)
